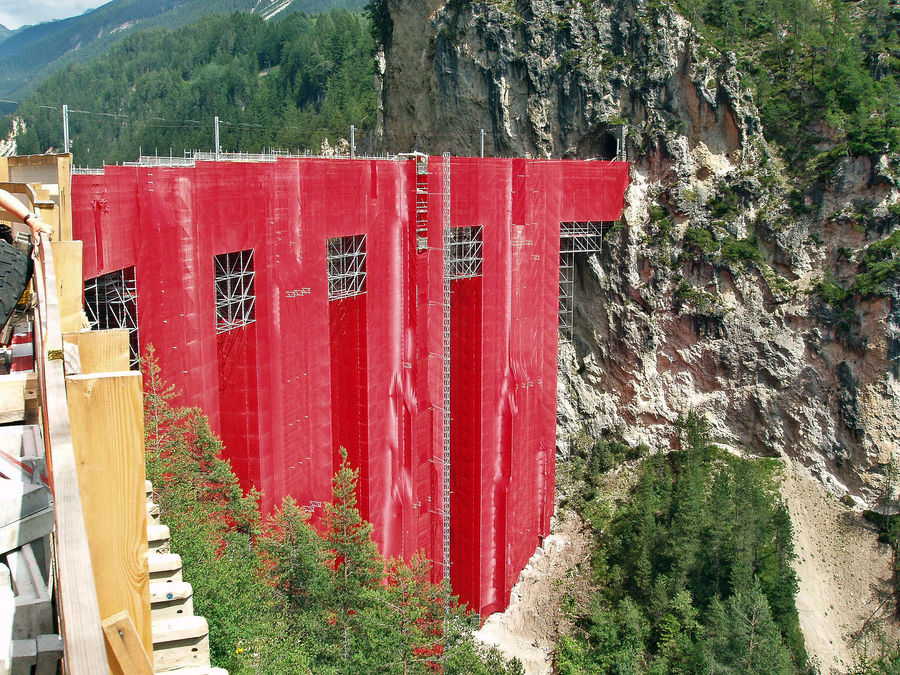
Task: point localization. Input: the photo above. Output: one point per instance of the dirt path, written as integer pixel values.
(530, 625)
(844, 573)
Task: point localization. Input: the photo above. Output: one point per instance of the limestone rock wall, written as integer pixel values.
(662, 325)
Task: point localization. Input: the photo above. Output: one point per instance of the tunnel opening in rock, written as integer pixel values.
(602, 143)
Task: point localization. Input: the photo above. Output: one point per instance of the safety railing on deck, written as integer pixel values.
(92, 421)
(76, 594)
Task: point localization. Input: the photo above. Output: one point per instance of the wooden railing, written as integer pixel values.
(76, 593)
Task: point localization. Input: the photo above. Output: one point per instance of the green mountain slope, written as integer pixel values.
(4, 32)
(285, 84)
(33, 53)
(820, 71)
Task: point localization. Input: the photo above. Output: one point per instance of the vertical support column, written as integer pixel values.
(64, 196)
(446, 402)
(107, 422)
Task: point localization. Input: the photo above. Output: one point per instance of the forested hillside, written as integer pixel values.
(821, 71)
(36, 51)
(693, 569)
(285, 84)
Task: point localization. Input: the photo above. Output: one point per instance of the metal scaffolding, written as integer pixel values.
(110, 301)
(448, 265)
(346, 266)
(574, 238)
(421, 202)
(235, 295)
(464, 252)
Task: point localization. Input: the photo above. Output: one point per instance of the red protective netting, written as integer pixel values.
(365, 372)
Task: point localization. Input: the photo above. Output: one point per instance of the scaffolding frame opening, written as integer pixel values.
(346, 266)
(110, 302)
(574, 239)
(464, 246)
(235, 293)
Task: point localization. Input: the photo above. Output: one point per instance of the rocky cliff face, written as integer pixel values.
(702, 299)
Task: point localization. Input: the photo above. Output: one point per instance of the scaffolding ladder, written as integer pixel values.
(448, 262)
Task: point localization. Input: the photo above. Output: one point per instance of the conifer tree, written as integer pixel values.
(417, 607)
(353, 559)
(295, 555)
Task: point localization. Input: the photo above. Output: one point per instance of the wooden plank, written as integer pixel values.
(4, 169)
(64, 185)
(20, 189)
(101, 351)
(106, 412)
(12, 397)
(85, 650)
(32, 412)
(181, 643)
(47, 209)
(67, 255)
(126, 646)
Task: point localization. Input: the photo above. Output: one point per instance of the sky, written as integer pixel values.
(15, 13)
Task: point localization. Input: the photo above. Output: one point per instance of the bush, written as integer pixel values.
(701, 239)
(724, 205)
(741, 250)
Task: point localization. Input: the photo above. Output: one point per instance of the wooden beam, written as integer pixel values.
(85, 651)
(101, 351)
(12, 397)
(64, 182)
(125, 644)
(107, 419)
(4, 169)
(18, 190)
(49, 215)
(54, 171)
(67, 255)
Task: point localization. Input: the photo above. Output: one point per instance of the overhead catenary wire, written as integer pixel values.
(431, 140)
(178, 123)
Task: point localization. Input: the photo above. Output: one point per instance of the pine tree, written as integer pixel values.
(417, 609)
(295, 555)
(744, 637)
(353, 559)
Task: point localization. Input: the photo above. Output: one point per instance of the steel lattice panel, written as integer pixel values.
(346, 266)
(585, 238)
(110, 301)
(235, 295)
(464, 258)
